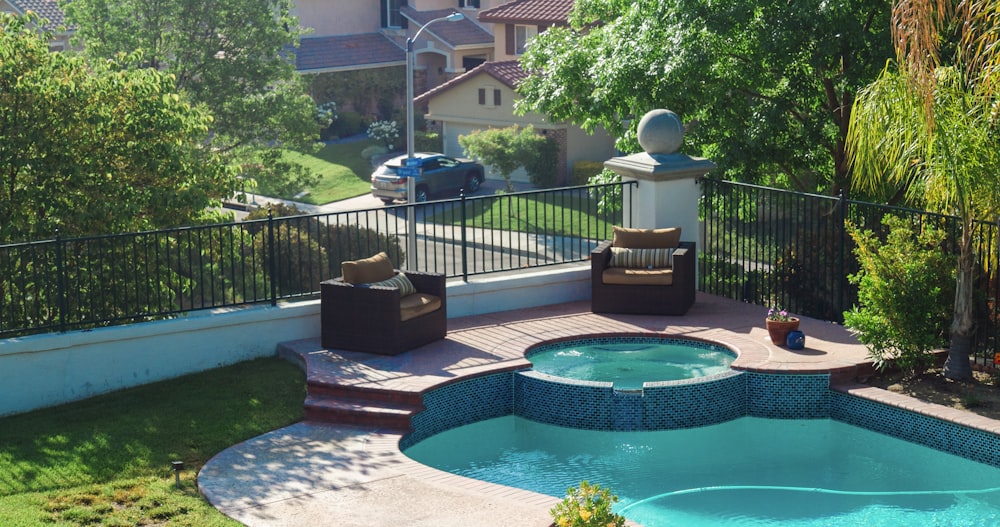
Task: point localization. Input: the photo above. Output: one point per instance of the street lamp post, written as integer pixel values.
(411, 189)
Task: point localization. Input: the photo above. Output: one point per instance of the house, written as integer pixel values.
(49, 11)
(347, 35)
(484, 96)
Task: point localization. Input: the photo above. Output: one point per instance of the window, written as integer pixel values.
(390, 13)
(522, 37)
(469, 3)
(484, 92)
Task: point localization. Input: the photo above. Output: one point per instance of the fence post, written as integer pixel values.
(465, 252)
(272, 257)
(842, 212)
(61, 282)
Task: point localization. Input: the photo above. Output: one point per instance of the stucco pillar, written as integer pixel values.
(668, 192)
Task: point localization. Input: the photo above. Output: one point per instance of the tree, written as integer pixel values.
(507, 149)
(89, 148)
(929, 123)
(232, 56)
(766, 87)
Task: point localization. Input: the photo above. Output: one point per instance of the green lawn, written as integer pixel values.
(106, 460)
(536, 213)
(343, 172)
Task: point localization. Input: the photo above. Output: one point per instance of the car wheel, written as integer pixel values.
(472, 183)
(387, 201)
(421, 194)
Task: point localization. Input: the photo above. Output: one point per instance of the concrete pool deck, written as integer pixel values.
(314, 473)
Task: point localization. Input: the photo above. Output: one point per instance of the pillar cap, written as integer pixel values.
(660, 132)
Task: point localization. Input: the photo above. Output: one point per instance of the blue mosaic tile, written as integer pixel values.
(788, 396)
(970, 443)
(557, 401)
(462, 403)
(715, 399)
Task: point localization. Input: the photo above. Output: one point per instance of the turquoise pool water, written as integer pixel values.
(749, 472)
(629, 362)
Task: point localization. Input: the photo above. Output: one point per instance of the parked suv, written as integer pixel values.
(436, 174)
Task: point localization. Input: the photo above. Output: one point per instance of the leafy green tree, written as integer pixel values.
(903, 289)
(232, 56)
(93, 147)
(507, 149)
(766, 87)
(929, 124)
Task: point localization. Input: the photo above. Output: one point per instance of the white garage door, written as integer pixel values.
(453, 149)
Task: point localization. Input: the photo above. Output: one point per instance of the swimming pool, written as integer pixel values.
(629, 361)
(747, 472)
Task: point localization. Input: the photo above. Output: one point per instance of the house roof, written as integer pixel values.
(529, 12)
(463, 32)
(47, 9)
(346, 52)
(508, 72)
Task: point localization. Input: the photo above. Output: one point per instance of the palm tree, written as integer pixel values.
(930, 125)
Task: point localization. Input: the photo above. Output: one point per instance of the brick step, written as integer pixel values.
(339, 391)
(361, 412)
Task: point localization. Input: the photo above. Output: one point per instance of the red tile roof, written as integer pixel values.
(529, 12)
(508, 72)
(463, 32)
(346, 52)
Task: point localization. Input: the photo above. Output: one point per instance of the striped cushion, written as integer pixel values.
(401, 282)
(642, 258)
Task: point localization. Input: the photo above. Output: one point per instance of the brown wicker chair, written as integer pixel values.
(660, 291)
(376, 318)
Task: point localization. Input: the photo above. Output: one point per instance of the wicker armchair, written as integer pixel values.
(373, 317)
(662, 289)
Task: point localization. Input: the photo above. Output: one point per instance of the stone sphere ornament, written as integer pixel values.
(660, 132)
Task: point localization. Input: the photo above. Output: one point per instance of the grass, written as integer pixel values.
(573, 215)
(106, 460)
(343, 172)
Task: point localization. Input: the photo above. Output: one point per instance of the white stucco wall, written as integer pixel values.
(47, 370)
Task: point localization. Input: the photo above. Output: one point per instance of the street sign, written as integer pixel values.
(408, 172)
(412, 162)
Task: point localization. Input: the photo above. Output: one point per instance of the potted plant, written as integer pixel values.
(779, 324)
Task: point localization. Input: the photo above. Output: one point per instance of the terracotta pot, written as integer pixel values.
(778, 330)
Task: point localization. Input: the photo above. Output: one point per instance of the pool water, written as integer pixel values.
(631, 362)
(749, 472)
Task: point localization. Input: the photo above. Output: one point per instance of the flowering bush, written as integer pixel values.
(778, 314)
(588, 506)
(384, 131)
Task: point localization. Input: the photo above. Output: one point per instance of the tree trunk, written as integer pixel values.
(957, 365)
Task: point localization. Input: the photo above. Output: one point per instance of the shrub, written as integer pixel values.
(583, 171)
(385, 132)
(347, 124)
(905, 291)
(588, 506)
(427, 142)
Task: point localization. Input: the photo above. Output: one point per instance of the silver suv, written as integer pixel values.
(434, 173)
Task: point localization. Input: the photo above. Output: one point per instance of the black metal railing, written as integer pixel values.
(62, 284)
(770, 247)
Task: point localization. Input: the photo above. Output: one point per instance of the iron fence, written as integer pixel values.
(771, 247)
(63, 284)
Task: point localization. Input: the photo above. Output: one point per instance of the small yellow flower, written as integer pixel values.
(563, 521)
(585, 514)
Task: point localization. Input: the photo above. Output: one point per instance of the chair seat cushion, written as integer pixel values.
(417, 304)
(623, 276)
